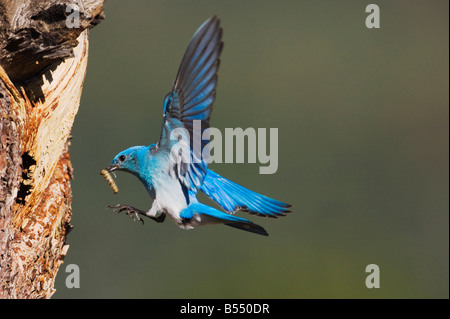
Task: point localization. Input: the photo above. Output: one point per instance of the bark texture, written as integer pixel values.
(42, 68)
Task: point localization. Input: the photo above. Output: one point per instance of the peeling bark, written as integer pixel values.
(42, 69)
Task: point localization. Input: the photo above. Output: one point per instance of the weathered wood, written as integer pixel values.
(42, 69)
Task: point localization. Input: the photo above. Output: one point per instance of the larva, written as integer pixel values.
(110, 180)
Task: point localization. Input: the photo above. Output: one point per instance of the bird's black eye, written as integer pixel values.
(121, 158)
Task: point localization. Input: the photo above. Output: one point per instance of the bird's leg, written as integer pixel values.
(155, 211)
(129, 210)
(135, 212)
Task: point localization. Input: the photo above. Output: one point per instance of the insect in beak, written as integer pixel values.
(109, 180)
(112, 168)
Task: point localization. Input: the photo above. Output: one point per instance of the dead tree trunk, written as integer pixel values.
(43, 59)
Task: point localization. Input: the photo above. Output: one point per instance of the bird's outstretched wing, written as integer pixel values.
(190, 100)
(233, 197)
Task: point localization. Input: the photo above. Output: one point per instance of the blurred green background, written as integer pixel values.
(363, 151)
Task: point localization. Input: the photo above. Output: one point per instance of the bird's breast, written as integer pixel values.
(170, 197)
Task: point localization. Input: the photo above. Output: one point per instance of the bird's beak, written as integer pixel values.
(112, 168)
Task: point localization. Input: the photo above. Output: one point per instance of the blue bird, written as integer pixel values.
(173, 176)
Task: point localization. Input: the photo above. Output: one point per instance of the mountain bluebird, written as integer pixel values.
(173, 172)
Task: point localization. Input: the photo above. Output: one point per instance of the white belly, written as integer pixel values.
(170, 198)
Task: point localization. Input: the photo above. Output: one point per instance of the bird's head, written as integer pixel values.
(128, 160)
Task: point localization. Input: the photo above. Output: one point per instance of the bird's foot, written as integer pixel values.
(129, 210)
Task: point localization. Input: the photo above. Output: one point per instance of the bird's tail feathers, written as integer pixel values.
(198, 214)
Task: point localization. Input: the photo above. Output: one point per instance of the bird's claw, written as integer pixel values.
(129, 210)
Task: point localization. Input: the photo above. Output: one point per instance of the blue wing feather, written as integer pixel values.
(233, 197)
(192, 98)
(200, 95)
